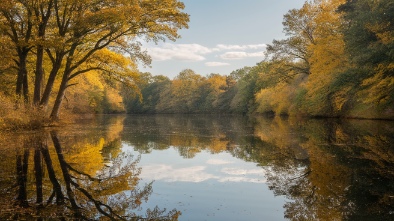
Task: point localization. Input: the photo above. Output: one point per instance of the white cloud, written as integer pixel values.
(242, 179)
(181, 52)
(243, 175)
(241, 55)
(234, 55)
(195, 174)
(256, 54)
(169, 174)
(197, 52)
(241, 47)
(216, 64)
(218, 162)
(237, 171)
(230, 47)
(258, 46)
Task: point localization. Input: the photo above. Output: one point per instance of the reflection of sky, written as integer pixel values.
(168, 166)
(208, 186)
(169, 173)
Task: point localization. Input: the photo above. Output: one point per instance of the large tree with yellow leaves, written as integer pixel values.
(77, 37)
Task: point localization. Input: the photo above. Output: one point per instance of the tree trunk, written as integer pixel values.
(40, 51)
(22, 87)
(63, 85)
(51, 80)
(25, 88)
(39, 75)
(19, 80)
(59, 98)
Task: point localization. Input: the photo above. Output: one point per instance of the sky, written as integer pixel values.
(223, 36)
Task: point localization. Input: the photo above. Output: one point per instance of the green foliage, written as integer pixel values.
(150, 93)
(243, 99)
(191, 93)
(369, 31)
(240, 73)
(225, 98)
(369, 38)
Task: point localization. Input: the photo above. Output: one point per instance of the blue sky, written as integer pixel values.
(223, 35)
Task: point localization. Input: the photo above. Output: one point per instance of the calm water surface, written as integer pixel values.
(176, 167)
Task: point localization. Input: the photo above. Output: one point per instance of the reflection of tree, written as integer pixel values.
(188, 134)
(21, 168)
(371, 160)
(344, 173)
(48, 186)
(328, 169)
(52, 176)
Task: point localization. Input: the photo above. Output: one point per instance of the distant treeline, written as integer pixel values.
(337, 61)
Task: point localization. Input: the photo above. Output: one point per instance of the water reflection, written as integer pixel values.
(65, 176)
(345, 171)
(188, 134)
(326, 169)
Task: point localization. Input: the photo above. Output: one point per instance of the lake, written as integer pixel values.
(199, 167)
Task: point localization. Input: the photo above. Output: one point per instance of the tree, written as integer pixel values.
(291, 54)
(74, 33)
(42, 12)
(185, 90)
(17, 26)
(213, 87)
(326, 93)
(369, 40)
(239, 73)
(369, 31)
(247, 86)
(151, 87)
(310, 62)
(100, 29)
(7, 67)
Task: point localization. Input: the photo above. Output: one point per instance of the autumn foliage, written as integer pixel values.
(52, 45)
(337, 61)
